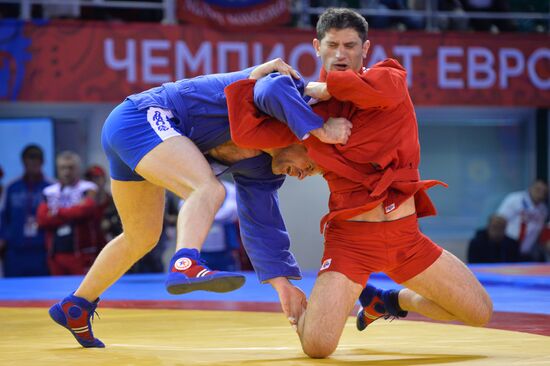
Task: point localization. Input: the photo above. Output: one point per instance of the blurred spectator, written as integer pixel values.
(401, 22)
(221, 247)
(20, 239)
(526, 213)
(492, 6)
(531, 25)
(1, 185)
(491, 245)
(444, 22)
(68, 216)
(61, 11)
(107, 217)
(545, 242)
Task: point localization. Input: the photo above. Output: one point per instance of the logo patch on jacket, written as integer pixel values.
(326, 264)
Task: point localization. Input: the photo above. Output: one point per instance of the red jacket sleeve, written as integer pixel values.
(85, 209)
(44, 219)
(251, 128)
(382, 86)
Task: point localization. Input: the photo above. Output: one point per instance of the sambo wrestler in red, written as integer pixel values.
(376, 191)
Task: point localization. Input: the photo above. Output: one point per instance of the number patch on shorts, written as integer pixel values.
(159, 119)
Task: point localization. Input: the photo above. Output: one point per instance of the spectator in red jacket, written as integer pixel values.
(67, 214)
(108, 221)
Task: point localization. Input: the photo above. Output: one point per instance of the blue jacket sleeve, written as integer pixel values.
(280, 96)
(263, 231)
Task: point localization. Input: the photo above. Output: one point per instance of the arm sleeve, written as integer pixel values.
(263, 231)
(279, 96)
(85, 209)
(249, 127)
(44, 219)
(378, 87)
(510, 207)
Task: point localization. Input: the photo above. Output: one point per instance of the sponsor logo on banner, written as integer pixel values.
(105, 62)
(14, 55)
(234, 14)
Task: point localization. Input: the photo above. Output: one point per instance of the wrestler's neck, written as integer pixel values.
(229, 153)
(271, 152)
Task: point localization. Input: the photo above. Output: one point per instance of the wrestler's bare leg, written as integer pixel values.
(186, 172)
(447, 290)
(331, 301)
(175, 164)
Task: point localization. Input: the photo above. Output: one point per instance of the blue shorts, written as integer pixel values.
(129, 134)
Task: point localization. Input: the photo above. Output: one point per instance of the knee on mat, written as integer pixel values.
(482, 314)
(318, 348)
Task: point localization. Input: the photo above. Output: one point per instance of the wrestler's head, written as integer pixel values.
(341, 39)
(293, 160)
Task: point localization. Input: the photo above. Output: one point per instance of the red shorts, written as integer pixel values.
(397, 248)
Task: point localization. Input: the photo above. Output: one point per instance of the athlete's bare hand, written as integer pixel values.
(293, 300)
(276, 65)
(334, 131)
(317, 90)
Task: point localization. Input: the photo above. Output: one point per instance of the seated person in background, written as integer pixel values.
(494, 25)
(68, 217)
(526, 213)
(491, 245)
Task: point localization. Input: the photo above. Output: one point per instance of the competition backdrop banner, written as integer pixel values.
(237, 14)
(103, 62)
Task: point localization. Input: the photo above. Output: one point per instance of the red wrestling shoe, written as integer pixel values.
(189, 273)
(376, 304)
(74, 314)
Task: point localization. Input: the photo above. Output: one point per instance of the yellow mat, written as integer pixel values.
(186, 337)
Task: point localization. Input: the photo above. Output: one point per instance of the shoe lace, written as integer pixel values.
(94, 313)
(202, 262)
(391, 317)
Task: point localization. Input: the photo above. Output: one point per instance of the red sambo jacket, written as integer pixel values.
(378, 165)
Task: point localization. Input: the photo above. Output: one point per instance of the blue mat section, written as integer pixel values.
(514, 293)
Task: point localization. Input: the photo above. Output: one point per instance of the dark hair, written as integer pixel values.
(32, 151)
(342, 18)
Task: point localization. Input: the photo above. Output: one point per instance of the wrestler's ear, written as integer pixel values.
(317, 45)
(366, 46)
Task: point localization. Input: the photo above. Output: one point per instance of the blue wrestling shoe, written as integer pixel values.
(74, 313)
(376, 304)
(189, 273)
